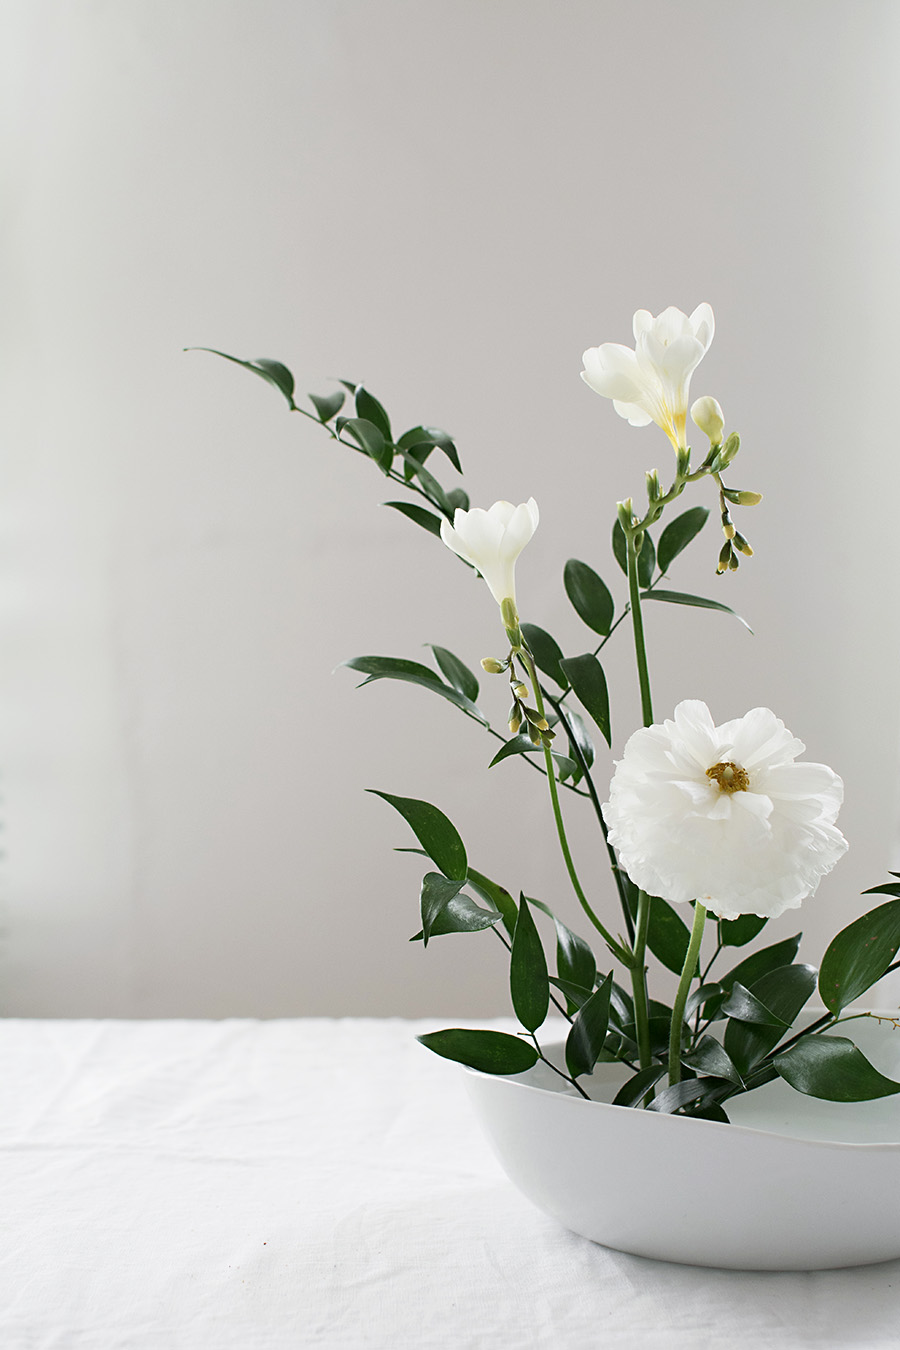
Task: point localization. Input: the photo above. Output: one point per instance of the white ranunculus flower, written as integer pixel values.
(722, 814)
(492, 541)
(651, 383)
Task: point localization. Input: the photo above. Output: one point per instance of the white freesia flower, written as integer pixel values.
(651, 383)
(723, 814)
(492, 541)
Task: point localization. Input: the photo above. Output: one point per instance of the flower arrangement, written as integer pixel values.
(724, 821)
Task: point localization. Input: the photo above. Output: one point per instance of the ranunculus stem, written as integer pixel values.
(684, 984)
(615, 947)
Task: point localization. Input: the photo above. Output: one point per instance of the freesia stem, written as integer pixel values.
(642, 922)
(684, 984)
(615, 947)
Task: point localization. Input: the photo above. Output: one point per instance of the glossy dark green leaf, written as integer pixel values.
(433, 490)
(426, 519)
(889, 888)
(697, 601)
(370, 438)
(679, 1094)
(450, 912)
(589, 595)
(437, 892)
(635, 1090)
(707, 999)
(574, 958)
(497, 896)
(523, 745)
(578, 734)
(784, 992)
(738, 932)
(709, 1057)
(488, 1051)
(588, 1032)
(743, 1006)
(709, 1110)
(455, 672)
(585, 675)
(273, 372)
(420, 441)
(327, 405)
(412, 672)
(859, 955)
(368, 408)
(529, 983)
(458, 500)
(754, 966)
(546, 652)
(576, 994)
(678, 534)
(832, 1068)
(435, 833)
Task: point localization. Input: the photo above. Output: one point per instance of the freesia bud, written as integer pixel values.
(492, 541)
(493, 666)
(707, 415)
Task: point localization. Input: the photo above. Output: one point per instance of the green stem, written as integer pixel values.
(637, 622)
(639, 969)
(684, 984)
(615, 947)
(639, 980)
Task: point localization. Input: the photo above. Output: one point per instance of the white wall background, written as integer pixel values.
(449, 201)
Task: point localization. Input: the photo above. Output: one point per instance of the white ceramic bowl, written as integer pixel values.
(792, 1184)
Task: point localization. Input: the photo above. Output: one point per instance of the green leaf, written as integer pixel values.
(412, 672)
(488, 1051)
(368, 408)
(637, 1087)
(528, 979)
(574, 958)
(437, 892)
(708, 1057)
(326, 405)
(495, 895)
(697, 601)
(783, 992)
(832, 1068)
(753, 967)
(859, 955)
(546, 652)
(585, 674)
(523, 745)
(455, 672)
(449, 912)
(738, 932)
(679, 1094)
(589, 595)
(577, 732)
(371, 439)
(889, 888)
(458, 500)
(273, 372)
(588, 1031)
(420, 441)
(709, 997)
(743, 1006)
(576, 994)
(435, 833)
(677, 535)
(426, 519)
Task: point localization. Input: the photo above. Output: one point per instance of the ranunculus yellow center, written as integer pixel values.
(729, 776)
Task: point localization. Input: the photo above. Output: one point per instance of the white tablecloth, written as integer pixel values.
(272, 1185)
